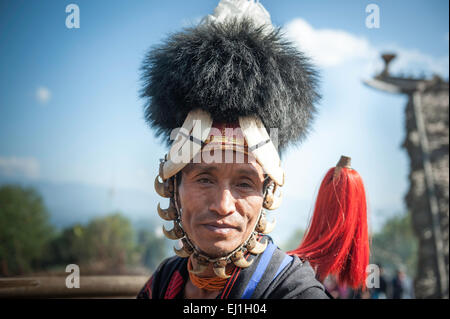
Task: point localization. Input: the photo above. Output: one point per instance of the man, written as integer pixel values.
(221, 207)
(214, 92)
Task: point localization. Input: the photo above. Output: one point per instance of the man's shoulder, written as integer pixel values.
(170, 263)
(160, 277)
(274, 274)
(168, 266)
(296, 279)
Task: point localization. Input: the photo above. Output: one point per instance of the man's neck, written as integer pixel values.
(193, 292)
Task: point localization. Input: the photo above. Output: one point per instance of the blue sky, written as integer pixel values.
(70, 112)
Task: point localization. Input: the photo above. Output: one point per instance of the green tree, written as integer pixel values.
(108, 241)
(152, 249)
(293, 241)
(105, 245)
(395, 245)
(69, 246)
(24, 230)
(111, 239)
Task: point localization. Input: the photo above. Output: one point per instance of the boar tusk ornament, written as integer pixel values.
(200, 265)
(162, 188)
(255, 247)
(185, 251)
(272, 202)
(181, 252)
(269, 227)
(219, 269)
(169, 213)
(175, 233)
(263, 226)
(239, 260)
(259, 248)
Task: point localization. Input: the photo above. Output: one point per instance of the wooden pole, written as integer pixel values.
(431, 194)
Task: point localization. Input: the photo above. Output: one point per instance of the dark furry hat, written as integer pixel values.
(230, 69)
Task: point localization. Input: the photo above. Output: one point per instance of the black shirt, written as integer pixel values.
(272, 275)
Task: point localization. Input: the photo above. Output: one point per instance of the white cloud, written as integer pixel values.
(43, 95)
(19, 167)
(331, 48)
(327, 47)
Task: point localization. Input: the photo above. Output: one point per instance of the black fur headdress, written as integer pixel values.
(230, 69)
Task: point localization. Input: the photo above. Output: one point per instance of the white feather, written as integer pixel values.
(239, 9)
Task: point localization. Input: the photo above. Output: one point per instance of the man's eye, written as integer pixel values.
(204, 180)
(245, 185)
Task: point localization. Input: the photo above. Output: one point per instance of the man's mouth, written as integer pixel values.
(219, 228)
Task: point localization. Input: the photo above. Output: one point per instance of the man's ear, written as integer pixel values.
(178, 178)
(266, 183)
(178, 185)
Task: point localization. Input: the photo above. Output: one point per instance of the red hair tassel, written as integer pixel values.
(337, 241)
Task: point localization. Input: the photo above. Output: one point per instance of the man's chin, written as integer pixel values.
(219, 248)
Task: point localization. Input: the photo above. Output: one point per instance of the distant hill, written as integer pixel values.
(70, 203)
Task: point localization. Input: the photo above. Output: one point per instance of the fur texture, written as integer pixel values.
(230, 69)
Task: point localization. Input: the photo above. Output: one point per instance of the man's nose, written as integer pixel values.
(224, 202)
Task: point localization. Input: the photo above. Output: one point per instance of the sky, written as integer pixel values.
(70, 110)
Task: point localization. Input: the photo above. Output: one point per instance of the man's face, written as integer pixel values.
(221, 204)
